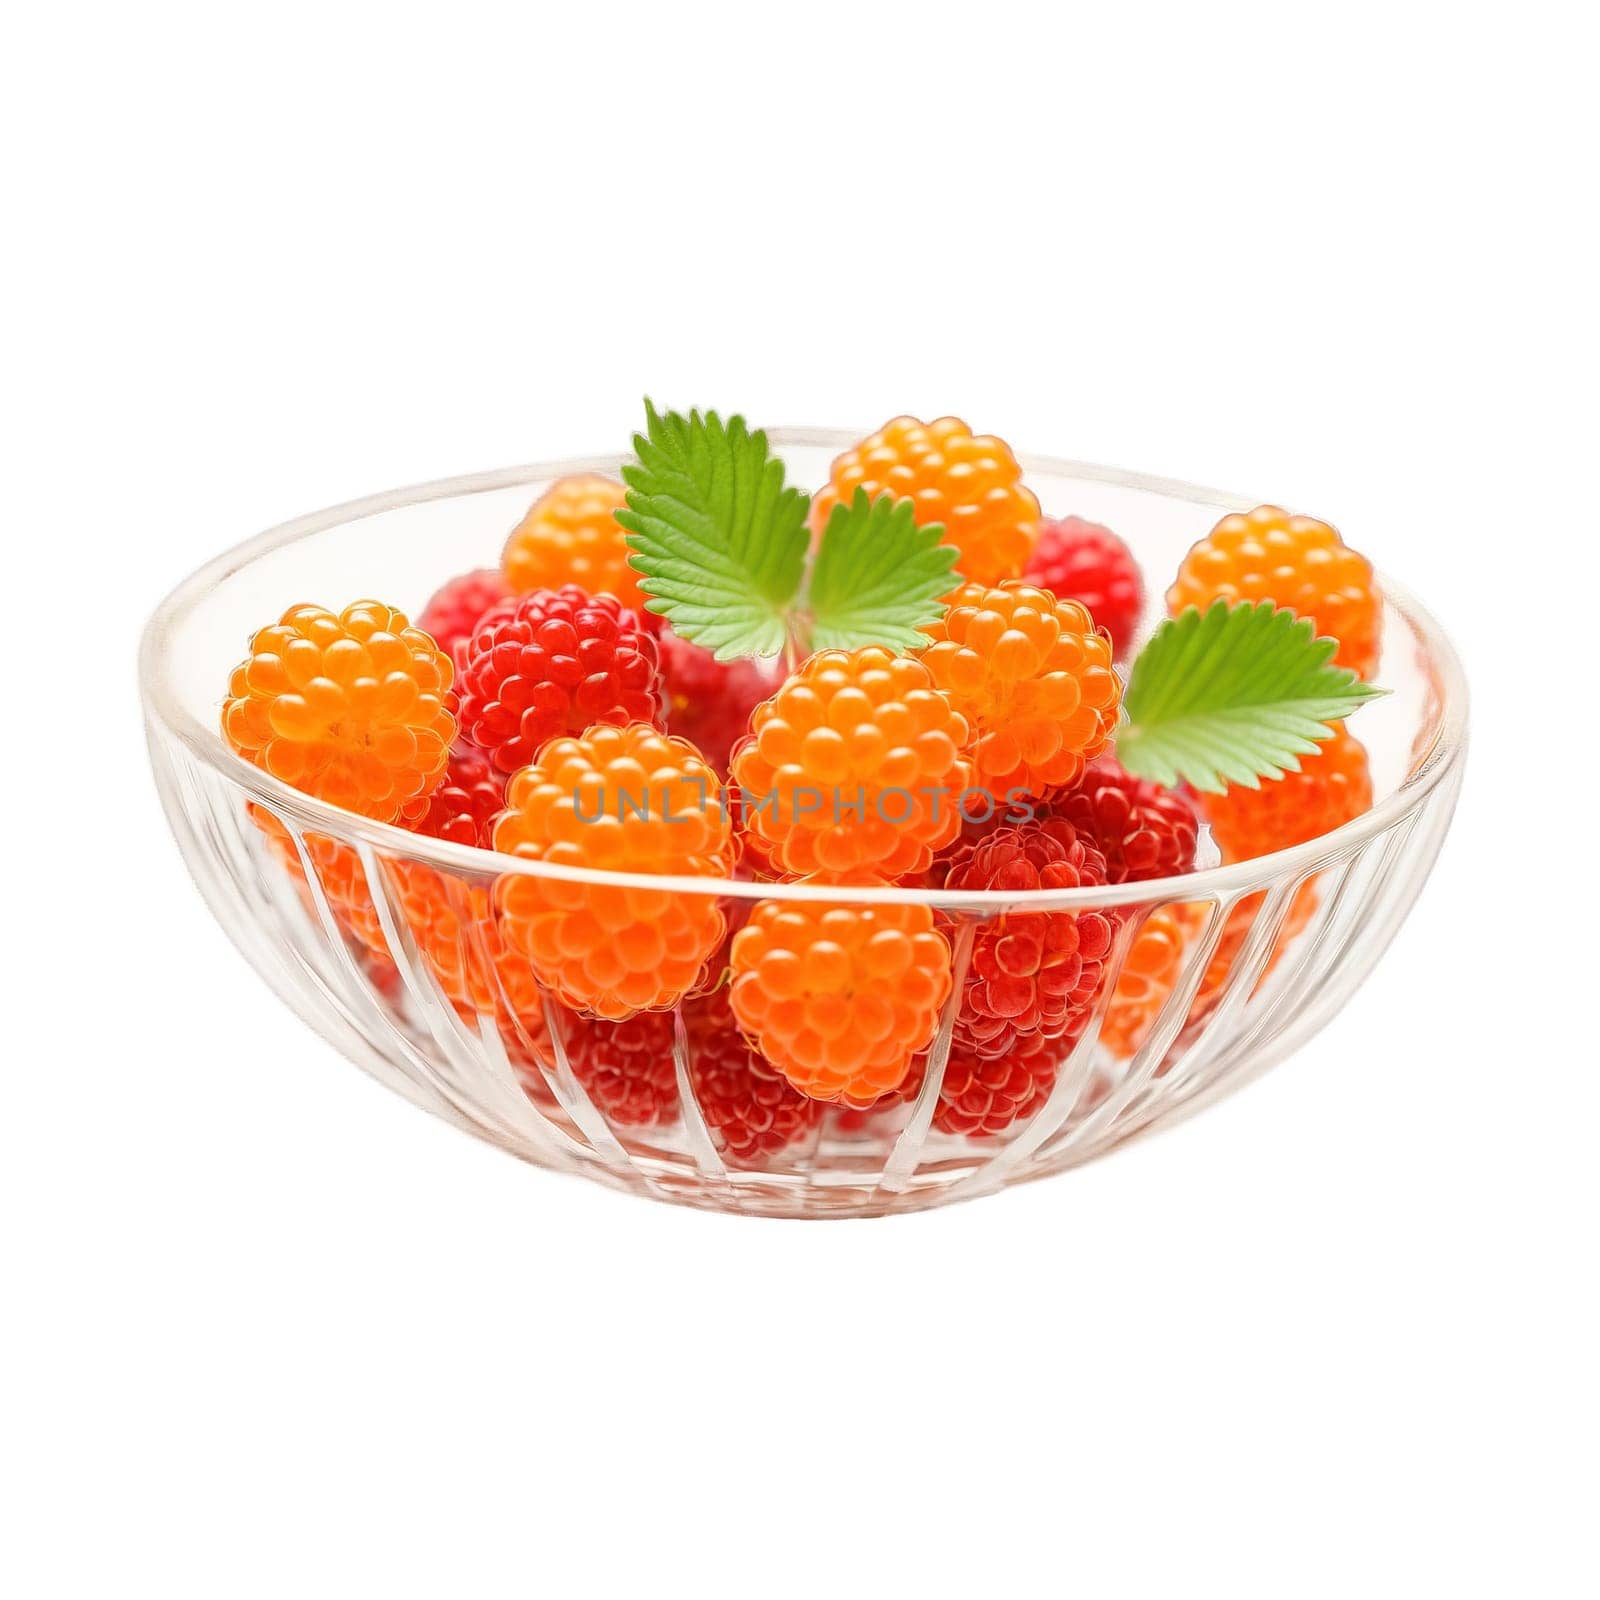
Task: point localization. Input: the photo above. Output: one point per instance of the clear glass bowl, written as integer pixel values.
(1274, 945)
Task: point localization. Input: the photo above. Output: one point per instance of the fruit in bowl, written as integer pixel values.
(807, 854)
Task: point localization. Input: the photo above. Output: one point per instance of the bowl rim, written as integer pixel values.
(164, 708)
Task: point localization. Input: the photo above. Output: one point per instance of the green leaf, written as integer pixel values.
(717, 539)
(879, 578)
(1232, 696)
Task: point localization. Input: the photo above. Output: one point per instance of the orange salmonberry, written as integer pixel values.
(453, 925)
(1333, 786)
(840, 998)
(450, 921)
(1241, 919)
(1149, 973)
(1293, 561)
(971, 483)
(853, 768)
(571, 535)
(1033, 677)
(1155, 961)
(350, 708)
(628, 799)
(340, 875)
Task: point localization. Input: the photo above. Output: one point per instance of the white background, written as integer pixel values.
(270, 1330)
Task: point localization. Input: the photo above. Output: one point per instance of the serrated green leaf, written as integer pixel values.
(1232, 695)
(878, 578)
(718, 540)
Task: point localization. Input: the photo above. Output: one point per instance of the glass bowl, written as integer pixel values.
(1270, 947)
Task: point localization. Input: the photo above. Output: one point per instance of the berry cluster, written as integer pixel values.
(968, 483)
(1086, 562)
(465, 804)
(538, 711)
(571, 535)
(624, 800)
(840, 998)
(983, 1095)
(854, 767)
(1032, 973)
(1142, 830)
(552, 662)
(452, 616)
(1293, 561)
(751, 1109)
(1332, 786)
(350, 708)
(1032, 676)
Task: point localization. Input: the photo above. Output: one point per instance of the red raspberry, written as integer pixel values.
(623, 800)
(840, 998)
(1143, 830)
(1237, 929)
(1083, 561)
(350, 708)
(464, 806)
(1031, 972)
(853, 769)
(453, 614)
(552, 662)
(709, 701)
(983, 1095)
(382, 974)
(626, 1068)
(751, 1109)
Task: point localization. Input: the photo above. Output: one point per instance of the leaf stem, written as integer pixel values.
(796, 638)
